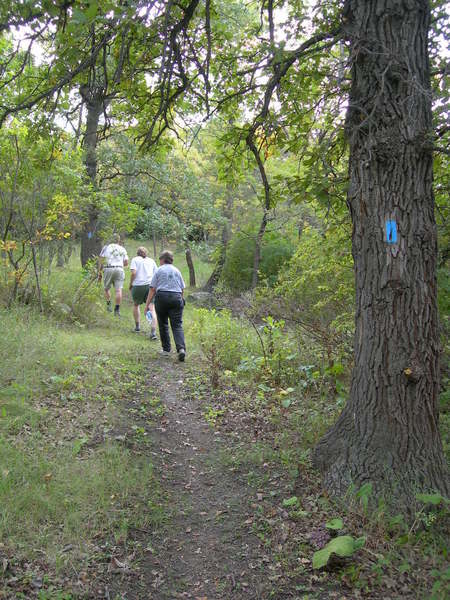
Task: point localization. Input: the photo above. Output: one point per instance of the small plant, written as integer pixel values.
(343, 545)
(335, 524)
(212, 414)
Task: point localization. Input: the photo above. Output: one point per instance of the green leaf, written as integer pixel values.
(286, 402)
(335, 524)
(434, 499)
(91, 11)
(290, 501)
(344, 545)
(79, 16)
(359, 542)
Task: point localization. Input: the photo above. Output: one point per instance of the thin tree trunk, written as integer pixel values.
(388, 432)
(60, 254)
(257, 255)
(155, 252)
(36, 275)
(90, 240)
(190, 265)
(215, 276)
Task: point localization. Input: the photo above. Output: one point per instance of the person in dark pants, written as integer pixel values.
(167, 287)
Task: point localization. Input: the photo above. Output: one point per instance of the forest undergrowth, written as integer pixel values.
(84, 497)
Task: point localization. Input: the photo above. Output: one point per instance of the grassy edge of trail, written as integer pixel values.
(74, 477)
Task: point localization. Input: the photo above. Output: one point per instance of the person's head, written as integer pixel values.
(142, 251)
(115, 238)
(166, 257)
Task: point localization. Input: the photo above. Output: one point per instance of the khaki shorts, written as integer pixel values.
(113, 276)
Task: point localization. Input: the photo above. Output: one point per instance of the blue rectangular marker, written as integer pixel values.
(391, 232)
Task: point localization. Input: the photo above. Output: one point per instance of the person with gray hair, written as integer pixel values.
(142, 270)
(116, 258)
(167, 287)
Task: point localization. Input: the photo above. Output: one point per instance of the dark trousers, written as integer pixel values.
(169, 306)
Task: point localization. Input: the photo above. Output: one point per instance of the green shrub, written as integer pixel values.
(319, 279)
(222, 339)
(275, 252)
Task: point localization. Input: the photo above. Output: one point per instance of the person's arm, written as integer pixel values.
(132, 277)
(151, 295)
(100, 262)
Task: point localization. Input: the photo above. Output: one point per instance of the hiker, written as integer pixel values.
(167, 287)
(116, 259)
(142, 269)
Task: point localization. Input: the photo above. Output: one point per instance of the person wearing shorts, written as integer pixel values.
(142, 270)
(113, 258)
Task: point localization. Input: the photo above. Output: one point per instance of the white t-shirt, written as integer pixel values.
(115, 255)
(144, 267)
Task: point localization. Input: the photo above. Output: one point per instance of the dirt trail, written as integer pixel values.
(208, 551)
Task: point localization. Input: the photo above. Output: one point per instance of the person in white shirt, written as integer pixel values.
(113, 258)
(142, 270)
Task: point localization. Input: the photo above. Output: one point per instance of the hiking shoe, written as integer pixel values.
(153, 336)
(108, 308)
(116, 313)
(136, 330)
(165, 353)
(181, 354)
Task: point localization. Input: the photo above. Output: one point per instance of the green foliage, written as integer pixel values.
(319, 279)
(434, 499)
(335, 524)
(343, 545)
(281, 358)
(290, 502)
(40, 206)
(155, 223)
(275, 253)
(222, 340)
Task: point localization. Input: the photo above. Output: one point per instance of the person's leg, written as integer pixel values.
(137, 316)
(151, 308)
(163, 322)
(176, 323)
(118, 278)
(107, 285)
(136, 309)
(108, 300)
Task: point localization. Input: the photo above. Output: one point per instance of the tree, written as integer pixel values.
(107, 51)
(388, 432)
(40, 184)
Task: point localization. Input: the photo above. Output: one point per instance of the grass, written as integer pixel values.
(271, 428)
(68, 480)
(65, 379)
(63, 387)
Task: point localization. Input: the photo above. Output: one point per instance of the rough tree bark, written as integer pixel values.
(388, 432)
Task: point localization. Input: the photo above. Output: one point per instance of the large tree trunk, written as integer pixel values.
(388, 432)
(91, 243)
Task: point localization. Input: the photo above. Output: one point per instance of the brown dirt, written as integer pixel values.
(208, 551)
